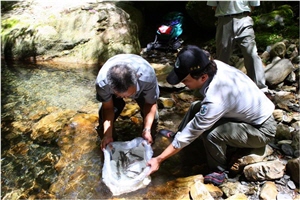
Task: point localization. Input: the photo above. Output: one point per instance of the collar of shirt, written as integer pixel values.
(205, 87)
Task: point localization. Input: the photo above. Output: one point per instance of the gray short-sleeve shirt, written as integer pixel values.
(147, 86)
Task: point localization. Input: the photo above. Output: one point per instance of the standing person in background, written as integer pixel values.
(127, 76)
(235, 27)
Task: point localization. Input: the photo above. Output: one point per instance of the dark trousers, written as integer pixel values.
(119, 105)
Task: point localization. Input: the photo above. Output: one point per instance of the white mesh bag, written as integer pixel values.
(125, 165)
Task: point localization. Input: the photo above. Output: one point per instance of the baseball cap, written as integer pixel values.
(189, 59)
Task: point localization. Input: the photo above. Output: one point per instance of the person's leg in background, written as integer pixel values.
(224, 39)
(246, 42)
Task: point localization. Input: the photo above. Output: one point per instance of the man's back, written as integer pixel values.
(232, 7)
(238, 95)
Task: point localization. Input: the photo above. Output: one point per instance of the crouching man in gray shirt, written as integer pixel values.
(234, 111)
(127, 76)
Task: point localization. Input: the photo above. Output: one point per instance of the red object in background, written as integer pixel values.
(165, 29)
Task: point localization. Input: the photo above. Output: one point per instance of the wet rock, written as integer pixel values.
(175, 189)
(283, 132)
(289, 88)
(80, 163)
(246, 157)
(268, 191)
(38, 114)
(291, 185)
(70, 184)
(296, 116)
(47, 129)
(287, 149)
(21, 127)
(239, 196)
(286, 101)
(49, 158)
(185, 96)
(230, 189)
(287, 118)
(296, 59)
(42, 195)
(15, 194)
(281, 181)
(256, 155)
(292, 49)
(291, 78)
(19, 149)
(278, 49)
(284, 196)
(199, 191)
(275, 146)
(278, 114)
(292, 168)
(162, 69)
(75, 141)
(276, 72)
(296, 153)
(214, 191)
(284, 142)
(269, 170)
(296, 125)
(265, 56)
(130, 109)
(295, 141)
(72, 32)
(166, 102)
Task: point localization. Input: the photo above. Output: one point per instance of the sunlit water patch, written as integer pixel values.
(70, 89)
(29, 92)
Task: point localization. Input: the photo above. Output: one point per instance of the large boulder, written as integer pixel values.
(73, 32)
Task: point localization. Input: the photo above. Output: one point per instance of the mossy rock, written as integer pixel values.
(275, 20)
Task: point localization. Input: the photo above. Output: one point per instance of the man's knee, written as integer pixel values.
(211, 137)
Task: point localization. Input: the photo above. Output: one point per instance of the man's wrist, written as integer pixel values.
(147, 130)
(108, 134)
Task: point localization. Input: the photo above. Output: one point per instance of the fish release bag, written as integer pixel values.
(125, 165)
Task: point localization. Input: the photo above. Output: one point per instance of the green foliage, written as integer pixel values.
(265, 39)
(275, 20)
(8, 24)
(190, 5)
(287, 11)
(17, 41)
(17, 38)
(275, 26)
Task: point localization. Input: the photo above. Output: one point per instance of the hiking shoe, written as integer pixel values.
(216, 178)
(167, 133)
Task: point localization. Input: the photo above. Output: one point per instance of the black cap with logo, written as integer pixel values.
(189, 59)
